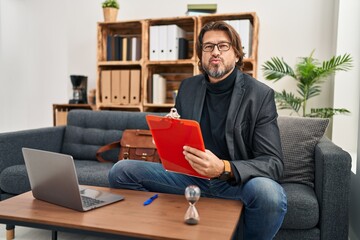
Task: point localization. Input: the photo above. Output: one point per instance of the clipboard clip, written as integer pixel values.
(173, 114)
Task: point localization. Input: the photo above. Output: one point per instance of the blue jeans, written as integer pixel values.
(264, 200)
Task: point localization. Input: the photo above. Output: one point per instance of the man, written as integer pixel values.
(238, 120)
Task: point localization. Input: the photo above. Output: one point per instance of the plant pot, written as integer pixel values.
(110, 14)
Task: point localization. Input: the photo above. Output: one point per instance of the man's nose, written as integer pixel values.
(215, 51)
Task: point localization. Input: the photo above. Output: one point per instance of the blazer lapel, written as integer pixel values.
(199, 102)
(234, 107)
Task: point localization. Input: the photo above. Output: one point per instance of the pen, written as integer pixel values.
(150, 200)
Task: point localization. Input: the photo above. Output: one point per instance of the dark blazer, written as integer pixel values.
(252, 133)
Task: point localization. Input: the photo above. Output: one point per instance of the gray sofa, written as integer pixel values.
(316, 180)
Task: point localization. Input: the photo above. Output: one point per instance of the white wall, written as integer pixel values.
(33, 58)
(42, 42)
(347, 84)
(346, 129)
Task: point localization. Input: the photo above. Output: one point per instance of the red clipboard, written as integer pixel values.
(170, 136)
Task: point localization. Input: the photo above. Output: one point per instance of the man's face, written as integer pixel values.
(218, 64)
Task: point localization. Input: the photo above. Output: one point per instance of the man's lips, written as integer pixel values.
(215, 60)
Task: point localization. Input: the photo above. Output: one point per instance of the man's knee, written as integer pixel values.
(119, 170)
(268, 194)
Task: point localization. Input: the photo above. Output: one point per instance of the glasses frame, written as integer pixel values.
(217, 45)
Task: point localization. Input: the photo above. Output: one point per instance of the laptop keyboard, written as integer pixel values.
(88, 201)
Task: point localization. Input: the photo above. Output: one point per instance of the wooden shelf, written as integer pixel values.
(113, 106)
(119, 63)
(169, 62)
(60, 112)
(173, 70)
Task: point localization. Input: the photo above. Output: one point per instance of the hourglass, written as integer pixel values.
(192, 194)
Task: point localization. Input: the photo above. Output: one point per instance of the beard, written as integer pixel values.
(216, 70)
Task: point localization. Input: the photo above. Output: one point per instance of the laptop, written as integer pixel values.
(53, 179)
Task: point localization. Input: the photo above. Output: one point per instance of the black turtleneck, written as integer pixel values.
(213, 118)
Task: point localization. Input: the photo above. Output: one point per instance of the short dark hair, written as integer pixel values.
(230, 31)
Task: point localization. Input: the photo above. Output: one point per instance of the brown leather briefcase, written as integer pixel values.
(135, 144)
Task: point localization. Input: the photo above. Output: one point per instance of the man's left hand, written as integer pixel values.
(206, 163)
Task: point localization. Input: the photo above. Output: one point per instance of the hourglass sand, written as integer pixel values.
(192, 194)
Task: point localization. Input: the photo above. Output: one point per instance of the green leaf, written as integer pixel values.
(307, 92)
(288, 101)
(326, 112)
(336, 63)
(277, 69)
(305, 70)
(111, 4)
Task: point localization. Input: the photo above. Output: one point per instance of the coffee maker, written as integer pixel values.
(79, 84)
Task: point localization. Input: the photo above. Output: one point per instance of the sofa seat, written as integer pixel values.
(14, 180)
(301, 199)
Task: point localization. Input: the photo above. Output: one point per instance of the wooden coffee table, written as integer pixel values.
(162, 219)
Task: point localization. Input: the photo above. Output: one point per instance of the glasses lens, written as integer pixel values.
(223, 46)
(208, 47)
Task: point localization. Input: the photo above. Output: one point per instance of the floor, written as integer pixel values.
(23, 233)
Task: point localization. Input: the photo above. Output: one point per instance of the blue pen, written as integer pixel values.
(150, 200)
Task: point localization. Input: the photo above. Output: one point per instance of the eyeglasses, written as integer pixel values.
(221, 46)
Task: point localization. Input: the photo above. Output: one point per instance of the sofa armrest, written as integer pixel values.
(332, 187)
(50, 139)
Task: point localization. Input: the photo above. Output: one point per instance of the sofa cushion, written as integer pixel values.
(299, 136)
(15, 180)
(302, 205)
(82, 143)
(87, 131)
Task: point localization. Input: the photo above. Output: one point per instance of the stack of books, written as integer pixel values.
(123, 48)
(158, 89)
(120, 86)
(168, 42)
(162, 87)
(200, 9)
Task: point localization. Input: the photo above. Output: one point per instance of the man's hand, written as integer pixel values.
(205, 163)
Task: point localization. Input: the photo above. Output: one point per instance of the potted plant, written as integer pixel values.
(309, 74)
(110, 9)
